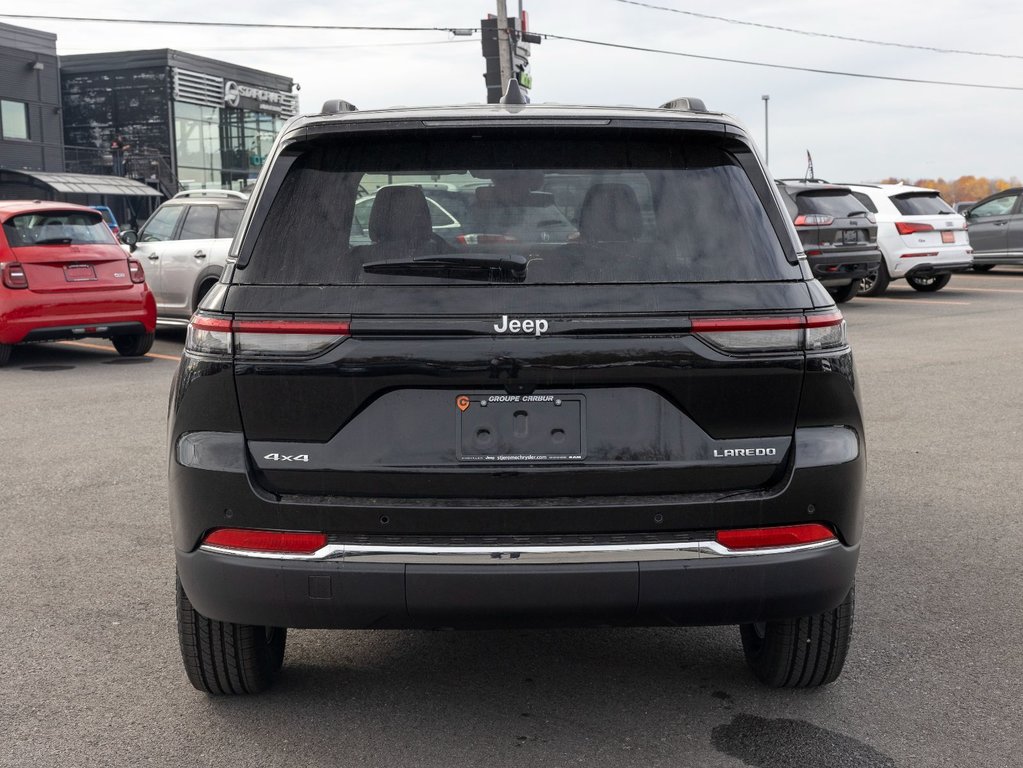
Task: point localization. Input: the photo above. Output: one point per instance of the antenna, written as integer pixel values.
(513, 94)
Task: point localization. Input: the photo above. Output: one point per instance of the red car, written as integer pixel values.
(63, 276)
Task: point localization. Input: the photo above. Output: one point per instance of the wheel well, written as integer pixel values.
(203, 285)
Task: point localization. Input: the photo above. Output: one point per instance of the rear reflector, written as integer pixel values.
(262, 337)
(775, 536)
(14, 275)
(282, 542)
(773, 334)
(918, 255)
(908, 227)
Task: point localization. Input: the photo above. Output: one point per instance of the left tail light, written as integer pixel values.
(262, 337)
(14, 275)
(135, 271)
(813, 219)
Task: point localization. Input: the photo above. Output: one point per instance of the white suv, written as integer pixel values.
(921, 238)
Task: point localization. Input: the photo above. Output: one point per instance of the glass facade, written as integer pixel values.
(221, 147)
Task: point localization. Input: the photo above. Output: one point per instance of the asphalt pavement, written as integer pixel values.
(92, 676)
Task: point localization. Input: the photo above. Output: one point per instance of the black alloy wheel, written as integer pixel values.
(928, 283)
(875, 283)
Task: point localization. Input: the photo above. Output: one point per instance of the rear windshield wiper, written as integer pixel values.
(856, 213)
(452, 264)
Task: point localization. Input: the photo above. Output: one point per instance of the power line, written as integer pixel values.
(808, 33)
(298, 47)
(781, 66)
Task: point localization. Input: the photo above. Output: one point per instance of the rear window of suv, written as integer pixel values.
(838, 203)
(639, 208)
(921, 204)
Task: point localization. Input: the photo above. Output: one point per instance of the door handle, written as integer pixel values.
(199, 254)
(153, 256)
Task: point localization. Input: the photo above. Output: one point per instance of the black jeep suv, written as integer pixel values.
(839, 235)
(646, 418)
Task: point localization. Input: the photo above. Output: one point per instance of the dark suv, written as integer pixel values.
(838, 234)
(648, 419)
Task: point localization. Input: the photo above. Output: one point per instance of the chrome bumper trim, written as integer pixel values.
(532, 555)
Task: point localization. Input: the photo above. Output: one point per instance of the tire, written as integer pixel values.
(929, 284)
(845, 292)
(134, 344)
(224, 659)
(876, 284)
(5, 353)
(805, 652)
(204, 288)
(983, 267)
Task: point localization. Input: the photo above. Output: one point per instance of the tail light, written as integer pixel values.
(222, 336)
(14, 275)
(135, 271)
(813, 220)
(277, 542)
(908, 227)
(773, 334)
(485, 239)
(775, 536)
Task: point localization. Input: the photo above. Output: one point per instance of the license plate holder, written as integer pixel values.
(851, 236)
(78, 273)
(948, 236)
(523, 429)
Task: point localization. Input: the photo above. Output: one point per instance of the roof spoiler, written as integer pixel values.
(336, 106)
(685, 104)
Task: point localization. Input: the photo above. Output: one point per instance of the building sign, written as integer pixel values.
(213, 91)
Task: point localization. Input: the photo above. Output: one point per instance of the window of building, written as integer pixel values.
(14, 119)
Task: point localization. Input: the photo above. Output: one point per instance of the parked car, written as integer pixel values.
(921, 238)
(962, 205)
(650, 419)
(109, 218)
(838, 234)
(185, 244)
(996, 229)
(63, 276)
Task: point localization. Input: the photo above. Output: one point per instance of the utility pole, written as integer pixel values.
(504, 49)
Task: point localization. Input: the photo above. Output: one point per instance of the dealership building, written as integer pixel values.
(30, 129)
(172, 119)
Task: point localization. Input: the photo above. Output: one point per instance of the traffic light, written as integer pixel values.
(518, 58)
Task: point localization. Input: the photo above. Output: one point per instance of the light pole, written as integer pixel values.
(767, 151)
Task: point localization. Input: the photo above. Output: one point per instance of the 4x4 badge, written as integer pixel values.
(462, 402)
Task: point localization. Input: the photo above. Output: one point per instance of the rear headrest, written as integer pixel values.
(399, 214)
(610, 214)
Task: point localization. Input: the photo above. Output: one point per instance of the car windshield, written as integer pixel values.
(57, 228)
(649, 209)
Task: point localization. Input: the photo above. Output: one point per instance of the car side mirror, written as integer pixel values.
(129, 237)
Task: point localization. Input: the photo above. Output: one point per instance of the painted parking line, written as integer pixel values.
(990, 290)
(914, 301)
(157, 355)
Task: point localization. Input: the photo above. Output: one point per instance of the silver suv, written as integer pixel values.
(184, 247)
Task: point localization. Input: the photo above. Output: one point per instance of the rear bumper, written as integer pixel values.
(37, 317)
(351, 594)
(843, 268)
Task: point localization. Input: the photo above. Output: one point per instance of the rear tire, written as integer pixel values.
(983, 267)
(5, 353)
(224, 659)
(929, 284)
(844, 293)
(876, 284)
(134, 344)
(800, 653)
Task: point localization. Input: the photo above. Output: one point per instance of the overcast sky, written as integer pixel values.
(857, 129)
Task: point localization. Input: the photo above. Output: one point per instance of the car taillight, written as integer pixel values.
(213, 335)
(138, 275)
(484, 239)
(775, 536)
(908, 227)
(813, 220)
(773, 334)
(14, 275)
(280, 542)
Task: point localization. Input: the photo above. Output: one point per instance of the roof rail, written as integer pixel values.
(805, 180)
(211, 193)
(686, 104)
(335, 106)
